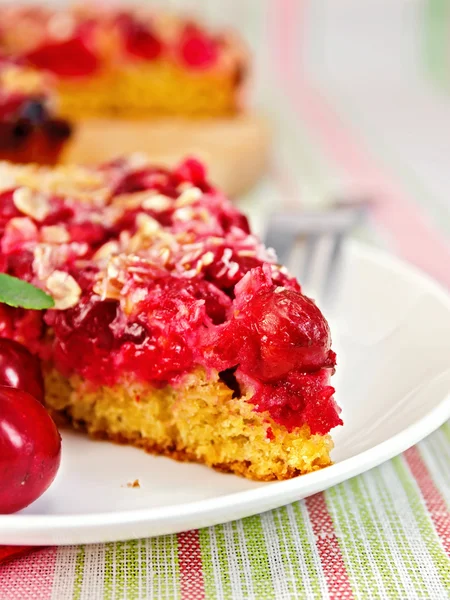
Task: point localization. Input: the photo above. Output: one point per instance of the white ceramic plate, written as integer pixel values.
(392, 335)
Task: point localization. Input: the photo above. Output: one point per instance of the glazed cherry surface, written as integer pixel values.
(30, 450)
(20, 369)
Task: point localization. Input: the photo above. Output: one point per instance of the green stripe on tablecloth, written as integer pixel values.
(219, 538)
(258, 558)
(446, 430)
(436, 42)
(399, 533)
(141, 569)
(79, 572)
(163, 567)
(143, 562)
(237, 534)
(109, 580)
(377, 536)
(351, 533)
(286, 530)
(291, 530)
(120, 567)
(132, 570)
(207, 563)
(423, 521)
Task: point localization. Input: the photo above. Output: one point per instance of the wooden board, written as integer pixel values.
(235, 149)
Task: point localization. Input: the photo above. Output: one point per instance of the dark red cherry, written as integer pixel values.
(20, 369)
(140, 41)
(30, 450)
(197, 49)
(291, 331)
(68, 58)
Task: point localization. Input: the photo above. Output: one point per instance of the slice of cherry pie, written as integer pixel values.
(174, 330)
(29, 129)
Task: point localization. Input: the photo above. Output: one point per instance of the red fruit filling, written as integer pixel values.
(202, 291)
(280, 343)
(139, 40)
(197, 49)
(68, 58)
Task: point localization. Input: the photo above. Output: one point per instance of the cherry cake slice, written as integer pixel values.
(174, 328)
(30, 131)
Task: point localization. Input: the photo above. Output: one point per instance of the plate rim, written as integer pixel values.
(279, 493)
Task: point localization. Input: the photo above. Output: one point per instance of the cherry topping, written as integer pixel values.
(278, 332)
(193, 171)
(8, 209)
(70, 58)
(139, 40)
(298, 399)
(290, 331)
(30, 450)
(84, 339)
(197, 49)
(20, 369)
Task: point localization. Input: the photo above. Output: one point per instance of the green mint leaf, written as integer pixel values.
(18, 293)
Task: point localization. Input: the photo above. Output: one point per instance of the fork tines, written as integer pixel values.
(319, 237)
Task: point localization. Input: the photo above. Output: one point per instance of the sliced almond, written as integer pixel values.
(147, 229)
(186, 213)
(146, 224)
(55, 234)
(31, 203)
(7, 176)
(189, 196)
(23, 228)
(158, 202)
(64, 289)
(107, 250)
(207, 258)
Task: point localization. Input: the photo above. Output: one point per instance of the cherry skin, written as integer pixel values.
(30, 449)
(20, 369)
(291, 332)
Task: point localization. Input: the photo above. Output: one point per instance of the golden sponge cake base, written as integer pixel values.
(198, 422)
(155, 88)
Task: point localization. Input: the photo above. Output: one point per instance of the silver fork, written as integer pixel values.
(320, 236)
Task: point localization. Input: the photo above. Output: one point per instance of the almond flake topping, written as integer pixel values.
(188, 196)
(64, 289)
(55, 234)
(157, 202)
(31, 203)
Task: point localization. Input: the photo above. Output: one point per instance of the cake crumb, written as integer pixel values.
(133, 484)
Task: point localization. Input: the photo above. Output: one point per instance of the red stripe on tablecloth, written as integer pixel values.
(410, 227)
(333, 565)
(433, 500)
(190, 561)
(31, 576)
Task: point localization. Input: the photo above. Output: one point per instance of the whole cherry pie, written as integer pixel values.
(127, 62)
(174, 328)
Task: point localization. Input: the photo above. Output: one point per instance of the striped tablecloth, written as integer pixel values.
(359, 96)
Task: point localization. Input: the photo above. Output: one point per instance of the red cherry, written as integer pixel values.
(291, 332)
(20, 369)
(139, 40)
(70, 58)
(197, 49)
(30, 450)
(279, 331)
